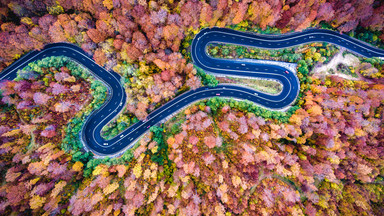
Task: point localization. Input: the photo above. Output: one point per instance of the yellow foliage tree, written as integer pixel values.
(58, 188)
(78, 166)
(100, 170)
(137, 170)
(110, 188)
(37, 202)
(11, 133)
(108, 4)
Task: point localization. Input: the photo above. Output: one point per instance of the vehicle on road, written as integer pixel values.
(105, 144)
(218, 94)
(286, 72)
(148, 126)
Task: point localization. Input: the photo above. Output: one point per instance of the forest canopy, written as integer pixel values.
(323, 156)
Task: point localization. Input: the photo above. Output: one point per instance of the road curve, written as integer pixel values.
(91, 131)
(200, 57)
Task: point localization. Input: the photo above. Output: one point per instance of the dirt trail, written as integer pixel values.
(348, 60)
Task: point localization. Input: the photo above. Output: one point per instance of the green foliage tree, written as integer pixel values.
(161, 155)
(207, 79)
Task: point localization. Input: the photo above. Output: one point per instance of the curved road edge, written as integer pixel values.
(91, 131)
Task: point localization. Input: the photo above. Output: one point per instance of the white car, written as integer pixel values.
(105, 144)
(121, 136)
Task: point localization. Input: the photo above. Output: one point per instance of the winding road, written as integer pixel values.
(91, 131)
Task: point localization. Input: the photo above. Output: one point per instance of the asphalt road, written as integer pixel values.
(91, 132)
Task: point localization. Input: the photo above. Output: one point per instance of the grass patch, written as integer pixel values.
(267, 86)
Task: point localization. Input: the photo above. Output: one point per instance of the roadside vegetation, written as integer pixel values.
(115, 127)
(314, 52)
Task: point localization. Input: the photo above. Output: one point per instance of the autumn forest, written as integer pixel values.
(323, 155)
